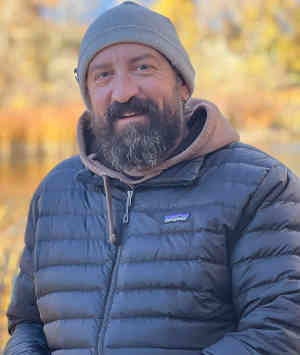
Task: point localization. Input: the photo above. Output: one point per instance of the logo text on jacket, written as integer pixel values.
(179, 217)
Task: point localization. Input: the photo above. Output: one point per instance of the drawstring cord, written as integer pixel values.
(107, 188)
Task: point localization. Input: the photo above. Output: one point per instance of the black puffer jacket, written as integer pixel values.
(206, 261)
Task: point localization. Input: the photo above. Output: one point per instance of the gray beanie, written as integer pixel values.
(130, 22)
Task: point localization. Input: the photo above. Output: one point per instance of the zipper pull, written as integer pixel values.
(128, 204)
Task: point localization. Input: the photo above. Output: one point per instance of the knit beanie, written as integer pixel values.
(130, 22)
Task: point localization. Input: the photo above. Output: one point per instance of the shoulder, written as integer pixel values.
(244, 167)
(244, 156)
(67, 166)
(246, 161)
(63, 175)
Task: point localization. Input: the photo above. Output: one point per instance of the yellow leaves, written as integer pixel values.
(30, 48)
(259, 31)
(268, 32)
(257, 65)
(250, 14)
(3, 212)
(38, 129)
(166, 7)
(269, 36)
(242, 51)
(183, 13)
(289, 54)
(19, 102)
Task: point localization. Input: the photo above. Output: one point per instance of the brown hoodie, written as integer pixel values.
(215, 133)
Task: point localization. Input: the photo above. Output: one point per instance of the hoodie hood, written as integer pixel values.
(215, 134)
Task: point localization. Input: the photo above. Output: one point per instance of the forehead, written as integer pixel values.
(127, 52)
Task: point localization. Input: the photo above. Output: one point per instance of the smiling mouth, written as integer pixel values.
(130, 114)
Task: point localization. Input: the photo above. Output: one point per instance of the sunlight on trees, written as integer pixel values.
(37, 56)
(184, 16)
(242, 49)
(247, 59)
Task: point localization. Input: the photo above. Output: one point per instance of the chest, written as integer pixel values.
(167, 237)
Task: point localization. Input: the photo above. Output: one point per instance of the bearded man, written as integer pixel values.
(166, 235)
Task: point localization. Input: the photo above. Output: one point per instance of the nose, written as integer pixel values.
(124, 88)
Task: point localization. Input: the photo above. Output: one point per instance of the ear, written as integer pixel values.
(185, 93)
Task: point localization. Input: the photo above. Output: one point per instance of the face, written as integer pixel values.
(136, 102)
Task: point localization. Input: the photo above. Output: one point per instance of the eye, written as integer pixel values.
(144, 67)
(100, 76)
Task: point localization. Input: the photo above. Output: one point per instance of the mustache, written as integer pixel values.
(136, 105)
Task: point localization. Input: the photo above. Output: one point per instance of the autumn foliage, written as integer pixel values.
(246, 55)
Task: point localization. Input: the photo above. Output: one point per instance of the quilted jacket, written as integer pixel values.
(205, 260)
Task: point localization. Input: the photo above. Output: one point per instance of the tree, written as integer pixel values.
(266, 33)
(36, 56)
(183, 14)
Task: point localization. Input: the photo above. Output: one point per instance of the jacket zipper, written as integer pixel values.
(109, 302)
(113, 281)
(128, 205)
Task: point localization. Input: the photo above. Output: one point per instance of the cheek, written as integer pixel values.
(157, 96)
(97, 123)
(163, 94)
(99, 101)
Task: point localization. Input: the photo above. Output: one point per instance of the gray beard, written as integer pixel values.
(141, 146)
(138, 148)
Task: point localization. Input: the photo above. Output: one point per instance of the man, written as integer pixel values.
(166, 235)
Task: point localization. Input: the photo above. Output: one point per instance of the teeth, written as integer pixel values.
(129, 114)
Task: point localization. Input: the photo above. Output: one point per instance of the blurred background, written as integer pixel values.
(246, 54)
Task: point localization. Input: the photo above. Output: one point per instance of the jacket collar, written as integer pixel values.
(182, 174)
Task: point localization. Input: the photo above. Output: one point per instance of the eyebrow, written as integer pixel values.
(143, 56)
(106, 65)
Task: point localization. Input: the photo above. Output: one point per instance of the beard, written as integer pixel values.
(140, 145)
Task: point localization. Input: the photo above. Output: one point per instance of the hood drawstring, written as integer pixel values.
(107, 188)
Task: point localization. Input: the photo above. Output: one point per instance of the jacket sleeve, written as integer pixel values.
(27, 339)
(265, 263)
(24, 323)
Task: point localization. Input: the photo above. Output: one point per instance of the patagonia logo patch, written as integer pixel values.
(179, 217)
